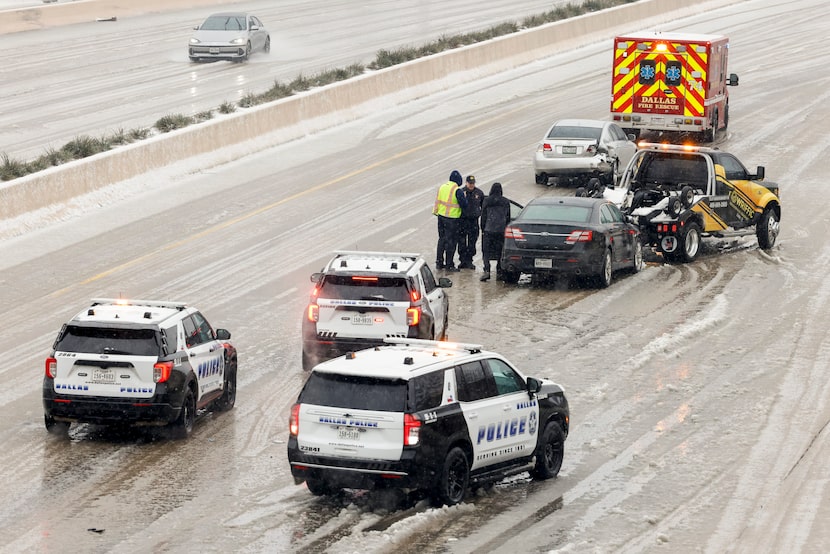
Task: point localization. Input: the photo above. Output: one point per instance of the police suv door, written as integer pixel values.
(501, 418)
(436, 298)
(205, 353)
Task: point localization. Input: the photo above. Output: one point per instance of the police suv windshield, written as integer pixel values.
(107, 340)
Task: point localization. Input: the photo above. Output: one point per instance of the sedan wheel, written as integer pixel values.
(267, 47)
(603, 279)
(639, 260)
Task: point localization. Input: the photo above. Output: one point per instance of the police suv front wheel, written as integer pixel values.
(454, 478)
(550, 452)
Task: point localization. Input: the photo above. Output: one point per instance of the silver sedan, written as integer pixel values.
(228, 36)
(580, 149)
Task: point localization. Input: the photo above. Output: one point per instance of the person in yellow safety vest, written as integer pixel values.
(448, 205)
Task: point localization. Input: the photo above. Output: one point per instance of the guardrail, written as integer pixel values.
(290, 118)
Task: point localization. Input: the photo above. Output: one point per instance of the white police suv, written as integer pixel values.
(424, 415)
(361, 298)
(138, 362)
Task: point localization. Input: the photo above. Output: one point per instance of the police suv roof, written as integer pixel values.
(402, 359)
(371, 262)
(121, 311)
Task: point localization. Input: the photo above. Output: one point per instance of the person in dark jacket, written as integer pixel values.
(495, 215)
(449, 203)
(469, 223)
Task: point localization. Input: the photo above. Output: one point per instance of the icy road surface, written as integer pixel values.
(98, 78)
(699, 393)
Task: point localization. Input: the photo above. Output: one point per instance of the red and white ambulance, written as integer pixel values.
(671, 82)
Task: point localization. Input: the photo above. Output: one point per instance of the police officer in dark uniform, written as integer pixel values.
(495, 215)
(468, 226)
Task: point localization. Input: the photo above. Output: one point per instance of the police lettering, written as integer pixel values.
(502, 430)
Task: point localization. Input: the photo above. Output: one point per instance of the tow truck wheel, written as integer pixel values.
(675, 206)
(689, 246)
(767, 229)
(710, 134)
(687, 196)
(307, 360)
(639, 259)
(541, 178)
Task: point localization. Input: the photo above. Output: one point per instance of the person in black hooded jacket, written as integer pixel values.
(495, 215)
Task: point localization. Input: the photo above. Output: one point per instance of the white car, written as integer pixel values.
(581, 149)
(228, 36)
(361, 298)
(424, 416)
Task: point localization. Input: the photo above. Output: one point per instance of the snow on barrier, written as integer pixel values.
(227, 137)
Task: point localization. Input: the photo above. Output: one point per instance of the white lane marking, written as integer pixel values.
(397, 237)
(286, 293)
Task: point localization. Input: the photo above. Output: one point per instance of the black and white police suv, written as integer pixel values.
(360, 298)
(424, 415)
(138, 362)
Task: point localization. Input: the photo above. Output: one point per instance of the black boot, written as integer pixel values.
(486, 276)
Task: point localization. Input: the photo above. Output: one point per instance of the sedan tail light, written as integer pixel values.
(579, 236)
(51, 367)
(513, 233)
(592, 149)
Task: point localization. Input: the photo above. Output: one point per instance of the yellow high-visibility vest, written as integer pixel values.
(446, 204)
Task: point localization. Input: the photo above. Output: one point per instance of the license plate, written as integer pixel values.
(103, 376)
(348, 433)
(569, 149)
(214, 50)
(544, 263)
(361, 319)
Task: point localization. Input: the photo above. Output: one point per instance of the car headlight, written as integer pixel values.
(240, 40)
(194, 40)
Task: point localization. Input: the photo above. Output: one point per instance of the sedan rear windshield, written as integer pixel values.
(354, 393)
(345, 287)
(105, 340)
(573, 132)
(557, 212)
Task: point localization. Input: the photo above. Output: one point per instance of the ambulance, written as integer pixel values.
(671, 82)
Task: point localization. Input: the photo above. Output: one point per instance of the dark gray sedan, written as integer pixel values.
(228, 36)
(566, 235)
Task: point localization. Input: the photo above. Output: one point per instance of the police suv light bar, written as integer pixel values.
(440, 344)
(147, 303)
(379, 254)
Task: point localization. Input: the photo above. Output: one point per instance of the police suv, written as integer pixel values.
(424, 415)
(360, 298)
(138, 362)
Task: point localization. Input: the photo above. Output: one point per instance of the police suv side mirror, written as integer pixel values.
(223, 334)
(733, 80)
(533, 386)
(444, 282)
(315, 277)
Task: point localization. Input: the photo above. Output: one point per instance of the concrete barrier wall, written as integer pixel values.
(69, 12)
(290, 118)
